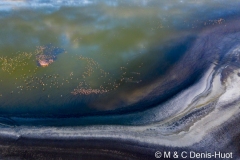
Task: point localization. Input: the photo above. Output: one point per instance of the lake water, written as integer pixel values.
(119, 79)
(111, 53)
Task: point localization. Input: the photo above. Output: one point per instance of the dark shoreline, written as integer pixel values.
(113, 148)
(25, 148)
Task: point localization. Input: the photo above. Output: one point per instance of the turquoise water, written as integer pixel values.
(111, 55)
(80, 77)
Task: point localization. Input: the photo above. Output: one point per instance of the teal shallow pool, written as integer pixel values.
(112, 54)
(106, 50)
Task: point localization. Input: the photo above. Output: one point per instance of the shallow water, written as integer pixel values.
(105, 51)
(114, 52)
